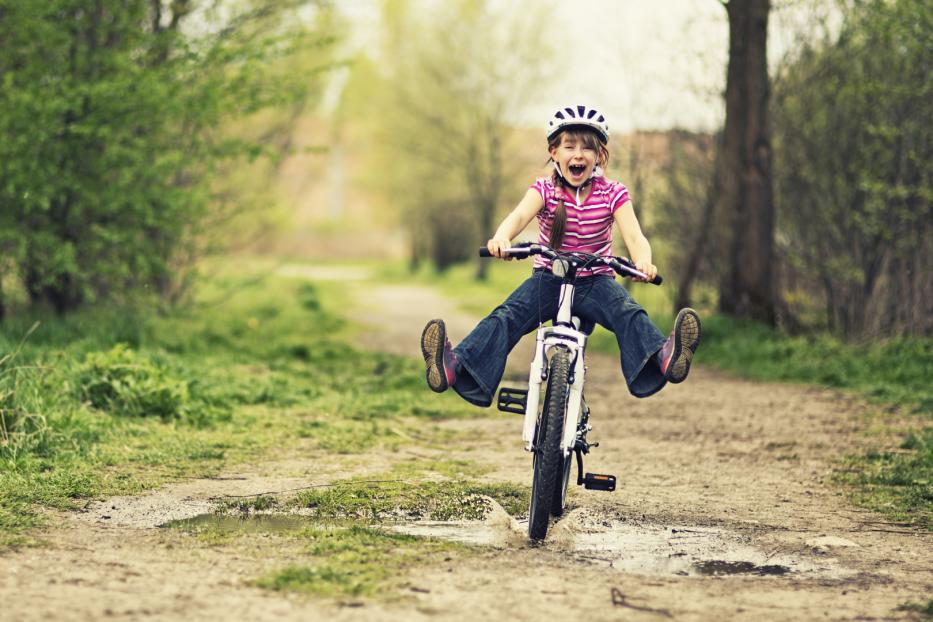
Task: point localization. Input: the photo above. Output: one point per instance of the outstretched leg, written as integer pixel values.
(677, 352)
(439, 359)
(475, 367)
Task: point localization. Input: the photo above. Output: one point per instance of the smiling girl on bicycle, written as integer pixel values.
(576, 207)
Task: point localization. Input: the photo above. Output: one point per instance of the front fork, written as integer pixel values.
(576, 422)
(575, 342)
(574, 404)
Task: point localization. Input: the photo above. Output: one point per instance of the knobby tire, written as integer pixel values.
(549, 463)
(560, 491)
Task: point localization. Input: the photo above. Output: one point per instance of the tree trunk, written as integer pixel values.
(486, 192)
(699, 248)
(744, 169)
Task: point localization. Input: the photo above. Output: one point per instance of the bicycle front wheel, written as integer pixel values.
(559, 503)
(549, 463)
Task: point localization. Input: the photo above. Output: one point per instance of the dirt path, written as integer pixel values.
(724, 512)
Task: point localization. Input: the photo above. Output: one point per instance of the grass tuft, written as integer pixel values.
(411, 500)
(896, 483)
(923, 611)
(355, 561)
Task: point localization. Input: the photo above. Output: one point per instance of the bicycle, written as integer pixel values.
(558, 431)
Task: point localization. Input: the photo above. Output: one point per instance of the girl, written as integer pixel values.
(575, 207)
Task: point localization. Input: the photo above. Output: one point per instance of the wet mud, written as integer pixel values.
(642, 549)
(582, 536)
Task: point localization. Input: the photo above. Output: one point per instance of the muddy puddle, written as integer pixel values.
(644, 549)
(637, 549)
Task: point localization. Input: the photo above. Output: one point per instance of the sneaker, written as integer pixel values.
(439, 359)
(677, 352)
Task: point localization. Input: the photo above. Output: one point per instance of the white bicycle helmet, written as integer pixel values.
(578, 116)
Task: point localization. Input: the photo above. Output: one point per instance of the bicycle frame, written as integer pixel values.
(565, 332)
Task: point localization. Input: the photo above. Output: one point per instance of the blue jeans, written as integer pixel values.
(599, 299)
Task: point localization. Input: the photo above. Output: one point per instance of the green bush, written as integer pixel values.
(125, 383)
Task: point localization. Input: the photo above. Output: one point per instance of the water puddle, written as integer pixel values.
(642, 549)
(632, 548)
(719, 567)
(693, 551)
(466, 532)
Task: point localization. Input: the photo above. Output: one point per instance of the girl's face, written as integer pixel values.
(577, 155)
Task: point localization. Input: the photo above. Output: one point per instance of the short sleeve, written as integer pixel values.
(619, 195)
(543, 187)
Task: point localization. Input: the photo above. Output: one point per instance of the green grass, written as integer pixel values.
(344, 558)
(892, 372)
(396, 499)
(920, 611)
(356, 561)
(113, 402)
(898, 483)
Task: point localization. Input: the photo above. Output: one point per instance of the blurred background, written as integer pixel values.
(778, 153)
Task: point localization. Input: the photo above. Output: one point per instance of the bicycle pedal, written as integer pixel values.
(597, 481)
(513, 400)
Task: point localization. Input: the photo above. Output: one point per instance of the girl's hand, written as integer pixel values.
(497, 246)
(648, 269)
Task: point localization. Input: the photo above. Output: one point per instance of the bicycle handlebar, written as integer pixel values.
(622, 266)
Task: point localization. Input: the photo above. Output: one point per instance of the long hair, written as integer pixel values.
(590, 140)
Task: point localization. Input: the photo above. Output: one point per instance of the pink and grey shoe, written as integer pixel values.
(677, 352)
(439, 360)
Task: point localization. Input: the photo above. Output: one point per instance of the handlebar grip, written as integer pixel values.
(516, 252)
(622, 265)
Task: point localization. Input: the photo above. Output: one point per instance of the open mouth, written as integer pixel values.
(577, 169)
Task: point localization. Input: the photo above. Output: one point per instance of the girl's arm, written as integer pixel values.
(515, 223)
(635, 241)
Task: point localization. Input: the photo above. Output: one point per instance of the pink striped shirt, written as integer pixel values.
(589, 226)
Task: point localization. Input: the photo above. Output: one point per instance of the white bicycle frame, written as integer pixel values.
(547, 338)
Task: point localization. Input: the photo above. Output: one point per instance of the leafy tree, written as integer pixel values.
(111, 113)
(453, 79)
(854, 161)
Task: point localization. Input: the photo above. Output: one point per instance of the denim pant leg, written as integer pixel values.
(483, 353)
(604, 301)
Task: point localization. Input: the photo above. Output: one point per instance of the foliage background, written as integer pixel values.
(117, 125)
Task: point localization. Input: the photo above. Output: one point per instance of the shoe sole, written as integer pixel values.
(433, 339)
(686, 340)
